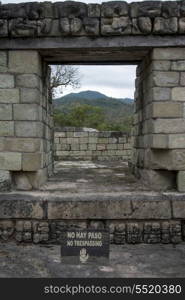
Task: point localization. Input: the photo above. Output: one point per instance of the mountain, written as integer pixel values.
(115, 110)
(88, 95)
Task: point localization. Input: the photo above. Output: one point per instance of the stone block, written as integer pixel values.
(21, 181)
(161, 94)
(178, 93)
(176, 141)
(24, 61)
(5, 112)
(178, 208)
(6, 81)
(114, 9)
(28, 81)
(168, 126)
(159, 141)
(28, 129)
(29, 95)
(168, 53)
(32, 161)
(178, 65)
(6, 128)
(20, 144)
(159, 180)
(160, 65)
(116, 26)
(145, 8)
(38, 178)
(26, 112)
(165, 79)
(93, 10)
(10, 161)
(181, 181)
(166, 110)
(14, 207)
(3, 61)
(9, 95)
(144, 209)
(165, 26)
(5, 181)
(172, 160)
(182, 78)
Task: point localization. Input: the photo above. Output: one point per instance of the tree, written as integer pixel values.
(61, 77)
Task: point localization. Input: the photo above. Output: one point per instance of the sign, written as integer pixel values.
(85, 246)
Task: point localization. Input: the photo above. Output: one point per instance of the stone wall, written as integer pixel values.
(25, 119)
(79, 19)
(121, 232)
(87, 145)
(159, 155)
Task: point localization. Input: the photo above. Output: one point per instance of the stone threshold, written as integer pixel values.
(102, 206)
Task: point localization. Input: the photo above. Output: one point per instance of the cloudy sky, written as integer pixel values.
(114, 81)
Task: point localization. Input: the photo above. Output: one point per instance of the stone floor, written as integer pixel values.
(125, 261)
(89, 177)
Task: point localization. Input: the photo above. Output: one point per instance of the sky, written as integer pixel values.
(113, 81)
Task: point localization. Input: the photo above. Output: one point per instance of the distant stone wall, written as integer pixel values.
(87, 145)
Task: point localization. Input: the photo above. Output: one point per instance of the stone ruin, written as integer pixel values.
(150, 34)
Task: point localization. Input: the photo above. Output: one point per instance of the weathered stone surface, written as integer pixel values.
(150, 209)
(70, 9)
(148, 9)
(21, 181)
(158, 180)
(182, 25)
(182, 78)
(178, 94)
(160, 65)
(166, 79)
(28, 81)
(166, 110)
(178, 207)
(15, 208)
(116, 26)
(20, 144)
(161, 93)
(3, 28)
(9, 95)
(168, 126)
(168, 53)
(165, 26)
(6, 81)
(181, 181)
(31, 161)
(10, 161)
(5, 181)
(26, 112)
(3, 61)
(29, 95)
(38, 178)
(176, 141)
(165, 159)
(5, 112)
(114, 9)
(94, 10)
(6, 128)
(30, 58)
(170, 9)
(142, 25)
(178, 65)
(28, 129)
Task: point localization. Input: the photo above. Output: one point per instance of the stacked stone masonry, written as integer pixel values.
(79, 19)
(159, 122)
(86, 145)
(25, 118)
(121, 232)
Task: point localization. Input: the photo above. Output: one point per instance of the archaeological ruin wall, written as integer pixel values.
(75, 144)
(150, 34)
